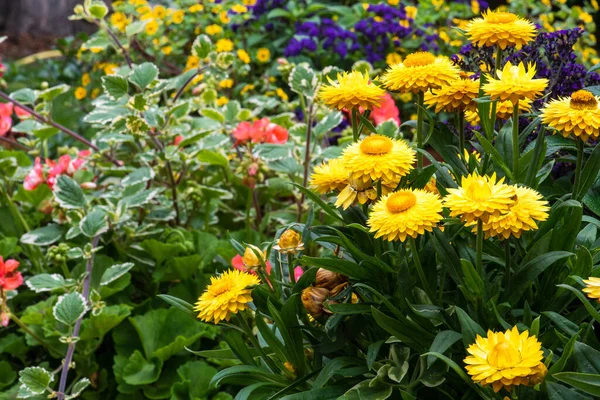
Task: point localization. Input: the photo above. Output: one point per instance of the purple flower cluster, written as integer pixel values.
(329, 34)
(262, 7)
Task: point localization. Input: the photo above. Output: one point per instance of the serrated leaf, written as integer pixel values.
(138, 102)
(115, 86)
(143, 75)
(140, 175)
(35, 379)
(201, 46)
(26, 96)
(139, 198)
(43, 236)
(94, 223)
(79, 387)
(115, 272)
(303, 80)
(134, 28)
(68, 193)
(53, 92)
(46, 282)
(213, 114)
(69, 308)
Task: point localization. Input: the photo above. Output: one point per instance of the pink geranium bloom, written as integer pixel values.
(5, 125)
(275, 134)
(21, 113)
(298, 271)
(6, 109)
(57, 168)
(10, 279)
(35, 176)
(386, 111)
(260, 131)
(178, 139)
(237, 262)
(79, 162)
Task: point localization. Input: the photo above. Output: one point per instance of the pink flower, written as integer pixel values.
(9, 278)
(275, 134)
(2, 70)
(5, 125)
(386, 111)
(35, 176)
(242, 133)
(178, 139)
(6, 109)
(298, 271)
(21, 113)
(4, 318)
(57, 168)
(260, 131)
(79, 162)
(237, 262)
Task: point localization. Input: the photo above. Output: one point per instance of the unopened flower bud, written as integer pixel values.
(329, 280)
(290, 241)
(88, 185)
(313, 298)
(251, 260)
(78, 10)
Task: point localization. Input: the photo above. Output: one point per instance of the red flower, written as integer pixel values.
(65, 165)
(260, 131)
(386, 111)
(21, 113)
(178, 139)
(298, 273)
(6, 109)
(9, 278)
(237, 262)
(5, 125)
(57, 168)
(35, 176)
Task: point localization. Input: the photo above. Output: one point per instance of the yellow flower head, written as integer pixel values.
(85, 79)
(221, 101)
(528, 207)
(515, 83)
(251, 260)
(119, 21)
(290, 242)
(239, 9)
(405, 213)
(377, 157)
(213, 29)
(177, 17)
(167, 50)
(263, 55)
(352, 90)
(478, 198)
(243, 56)
(80, 93)
(361, 192)
(411, 12)
(192, 62)
(151, 27)
(504, 110)
(457, 95)
(226, 83)
(196, 8)
(592, 288)
(223, 17)
(431, 186)
(282, 94)
(393, 58)
(420, 72)
(329, 176)
(578, 115)
(159, 12)
(227, 294)
(224, 45)
(506, 359)
(501, 28)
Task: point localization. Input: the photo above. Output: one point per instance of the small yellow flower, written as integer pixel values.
(247, 89)
(95, 93)
(80, 93)
(221, 101)
(329, 176)
(501, 28)
(224, 45)
(119, 21)
(431, 186)
(475, 6)
(405, 213)
(159, 12)
(192, 62)
(85, 79)
(506, 359)
(263, 55)
(437, 4)
(143, 10)
(411, 12)
(515, 83)
(110, 68)
(243, 56)
(393, 58)
(226, 295)
(578, 115)
(351, 90)
(239, 9)
(226, 83)
(151, 28)
(457, 95)
(592, 287)
(420, 72)
(213, 29)
(177, 17)
(223, 17)
(282, 94)
(478, 198)
(167, 50)
(249, 2)
(504, 110)
(290, 242)
(196, 8)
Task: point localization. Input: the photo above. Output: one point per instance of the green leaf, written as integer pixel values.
(140, 198)
(202, 46)
(26, 96)
(53, 92)
(7, 375)
(331, 368)
(98, 9)
(442, 342)
(115, 86)
(97, 326)
(586, 303)
(303, 80)
(196, 377)
(139, 371)
(213, 114)
(161, 251)
(324, 206)
(138, 103)
(327, 123)
(459, 371)
(134, 28)
(588, 383)
(212, 158)
(43, 236)
(36, 379)
(560, 392)
(46, 282)
(567, 351)
(94, 223)
(180, 304)
(69, 308)
(143, 75)
(79, 387)
(68, 193)
(469, 328)
(140, 175)
(115, 272)
(587, 358)
(589, 172)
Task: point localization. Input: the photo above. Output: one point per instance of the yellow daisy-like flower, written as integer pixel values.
(221, 101)
(506, 359)
(151, 28)
(159, 12)
(578, 116)
(223, 45)
(515, 83)
(243, 56)
(85, 79)
(226, 83)
(393, 58)
(192, 62)
(227, 294)
(352, 90)
(592, 287)
(504, 110)
(282, 94)
(501, 28)
(527, 208)
(458, 95)
(405, 213)
(329, 176)
(80, 93)
(263, 55)
(420, 72)
(213, 29)
(378, 157)
(431, 186)
(177, 17)
(478, 198)
(357, 191)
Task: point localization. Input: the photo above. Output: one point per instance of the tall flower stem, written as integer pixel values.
(415, 255)
(71, 349)
(495, 103)
(507, 263)
(479, 248)
(515, 141)
(354, 121)
(578, 167)
(420, 99)
(460, 124)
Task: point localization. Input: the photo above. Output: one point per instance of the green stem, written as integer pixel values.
(290, 261)
(420, 98)
(65, 269)
(515, 142)
(255, 343)
(495, 103)
(537, 154)
(17, 321)
(479, 248)
(354, 121)
(578, 168)
(507, 263)
(379, 190)
(460, 116)
(415, 255)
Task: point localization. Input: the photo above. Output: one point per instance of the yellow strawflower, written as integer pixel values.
(500, 28)
(226, 294)
(592, 287)
(352, 90)
(420, 72)
(506, 359)
(213, 29)
(457, 95)
(358, 191)
(504, 110)
(263, 55)
(577, 116)
(226, 83)
(290, 242)
(478, 198)
(515, 83)
(329, 176)
(527, 208)
(221, 101)
(405, 213)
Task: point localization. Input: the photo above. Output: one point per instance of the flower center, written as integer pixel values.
(504, 355)
(376, 145)
(583, 100)
(218, 288)
(479, 190)
(419, 59)
(501, 17)
(401, 201)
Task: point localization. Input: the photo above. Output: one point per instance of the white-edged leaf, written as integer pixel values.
(115, 86)
(45, 282)
(143, 75)
(115, 272)
(68, 193)
(35, 379)
(69, 308)
(143, 174)
(43, 236)
(79, 387)
(329, 122)
(140, 198)
(303, 80)
(94, 223)
(74, 253)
